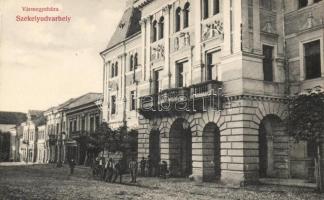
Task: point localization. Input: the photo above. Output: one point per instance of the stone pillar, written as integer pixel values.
(148, 48)
(197, 156)
(197, 54)
(256, 27)
(167, 65)
(239, 144)
(143, 23)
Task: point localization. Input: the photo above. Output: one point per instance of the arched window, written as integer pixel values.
(177, 19)
(161, 28)
(116, 69)
(135, 61)
(113, 70)
(186, 15)
(131, 63)
(205, 9)
(216, 7)
(154, 31)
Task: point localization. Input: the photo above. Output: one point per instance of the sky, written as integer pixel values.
(44, 64)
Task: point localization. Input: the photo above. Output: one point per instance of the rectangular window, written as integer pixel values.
(211, 63)
(75, 125)
(205, 9)
(83, 123)
(312, 59)
(113, 105)
(97, 121)
(267, 63)
(302, 3)
(57, 128)
(132, 100)
(156, 82)
(91, 124)
(180, 79)
(216, 7)
(71, 127)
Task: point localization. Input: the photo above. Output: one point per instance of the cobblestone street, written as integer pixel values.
(49, 182)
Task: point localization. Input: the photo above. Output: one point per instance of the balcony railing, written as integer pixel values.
(204, 89)
(195, 98)
(76, 134)
(173, 95)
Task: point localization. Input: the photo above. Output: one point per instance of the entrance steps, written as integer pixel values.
(287, 182)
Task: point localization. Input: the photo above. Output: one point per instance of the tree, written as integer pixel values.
(306, 123)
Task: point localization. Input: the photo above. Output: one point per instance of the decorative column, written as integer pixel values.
(197, 54)
(167, 65)
(143, 23)
(256, 27)
(148, 47)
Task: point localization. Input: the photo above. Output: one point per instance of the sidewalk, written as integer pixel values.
(18, 163)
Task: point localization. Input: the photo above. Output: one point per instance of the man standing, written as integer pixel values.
(143, 163)
(72, 165)
(133, 169)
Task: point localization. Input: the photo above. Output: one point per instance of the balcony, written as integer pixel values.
(78, 134)
(207, 94)
(205, 89)
(148, 105)
(196, 98)
(173, 95)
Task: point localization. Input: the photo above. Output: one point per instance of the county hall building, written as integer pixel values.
(205, 83)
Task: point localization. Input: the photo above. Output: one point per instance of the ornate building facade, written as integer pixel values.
(205, 83)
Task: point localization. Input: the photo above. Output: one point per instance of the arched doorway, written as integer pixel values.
(211, 153)
(154, 149)
(273, 148)
(180, 149)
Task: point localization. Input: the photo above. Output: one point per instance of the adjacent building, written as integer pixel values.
(205, 83)
(83, 116)
(56, 127)
(9, 143)
(28, 147)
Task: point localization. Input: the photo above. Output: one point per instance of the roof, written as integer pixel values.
(12, 117)
(35, 113)
(65, 104)
(84, 99)
(40, 120)
(128, 26)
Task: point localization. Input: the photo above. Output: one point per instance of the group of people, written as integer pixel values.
(152, 168)
(111, 169)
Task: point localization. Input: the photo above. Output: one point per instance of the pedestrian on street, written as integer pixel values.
(149, 166)
(118, 172)
(133, 169)
(142, 165)
(110, 170)
(72, 165)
